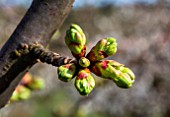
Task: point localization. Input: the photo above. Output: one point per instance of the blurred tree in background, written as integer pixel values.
(143, 35)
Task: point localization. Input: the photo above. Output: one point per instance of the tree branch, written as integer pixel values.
(42, 19)
(49, 57)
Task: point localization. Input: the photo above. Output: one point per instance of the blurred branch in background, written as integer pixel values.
(143, 35)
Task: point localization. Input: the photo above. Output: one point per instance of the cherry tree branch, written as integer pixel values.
(42, 19)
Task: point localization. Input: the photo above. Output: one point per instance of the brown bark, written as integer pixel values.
(42, 19)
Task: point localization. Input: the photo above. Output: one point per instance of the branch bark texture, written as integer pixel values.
(42, 19)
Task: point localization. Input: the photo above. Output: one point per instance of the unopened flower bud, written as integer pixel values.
(105, 68)
(36, 84)
(23, 92)
(84, 62)
(125, 78)
(75, 40)
(84, 82)
(109, 69)
(104, 48)
(66, 72)
(127, 71)
(15, 96)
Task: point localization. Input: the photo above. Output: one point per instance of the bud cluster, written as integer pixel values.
(28, 83)
(109, 69)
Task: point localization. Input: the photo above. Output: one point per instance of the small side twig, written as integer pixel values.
(50, 57)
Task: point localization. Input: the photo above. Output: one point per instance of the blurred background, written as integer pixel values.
(142, 29)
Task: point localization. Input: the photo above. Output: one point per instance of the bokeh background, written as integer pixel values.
(142, 29)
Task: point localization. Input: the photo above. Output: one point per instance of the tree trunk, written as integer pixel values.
(42, 19)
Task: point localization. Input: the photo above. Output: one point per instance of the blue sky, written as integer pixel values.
(80, 2)
(117, 2)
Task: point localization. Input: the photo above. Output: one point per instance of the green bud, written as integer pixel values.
(66, 72)
(24, 93)
(104, 48)
(36, 84)
(123, 80)
(109, 69)
(105, 68)
(84, 62)
(75, 40)
(127, 71)
(84, 82)
(15, 96)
